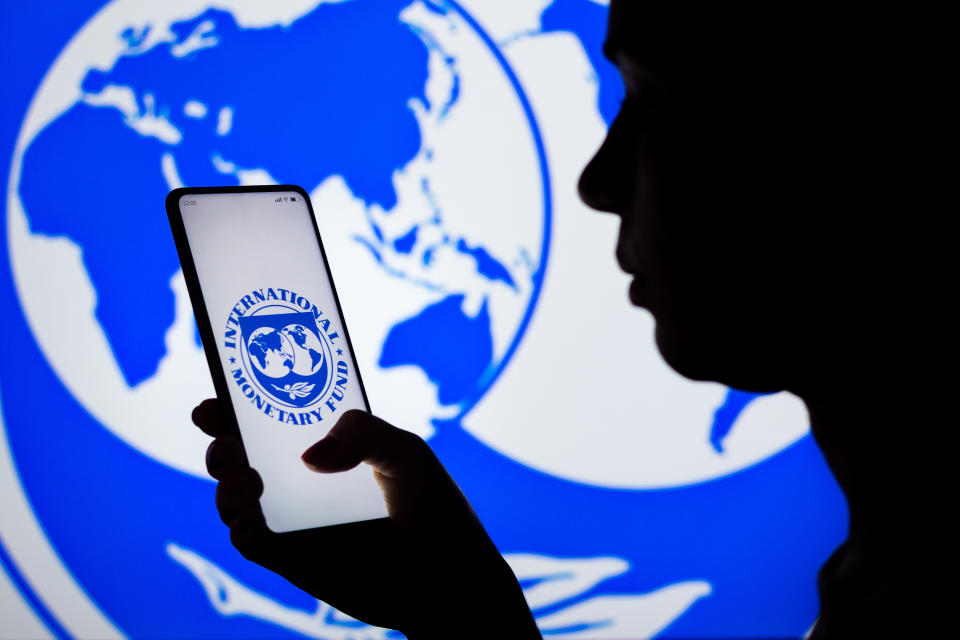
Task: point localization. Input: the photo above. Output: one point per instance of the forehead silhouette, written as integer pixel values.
(686, 42)
(773, 106)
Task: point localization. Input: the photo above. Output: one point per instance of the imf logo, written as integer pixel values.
(282, 349)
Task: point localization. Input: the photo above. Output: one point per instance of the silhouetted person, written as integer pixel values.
(755, 165)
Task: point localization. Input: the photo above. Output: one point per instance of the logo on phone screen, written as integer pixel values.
(285, 356)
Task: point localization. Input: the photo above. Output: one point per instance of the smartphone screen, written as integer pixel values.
(282, 347)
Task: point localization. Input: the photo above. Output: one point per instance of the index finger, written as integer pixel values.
(208, 417)
(361, 437)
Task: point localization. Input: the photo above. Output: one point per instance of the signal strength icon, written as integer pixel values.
(278, 200)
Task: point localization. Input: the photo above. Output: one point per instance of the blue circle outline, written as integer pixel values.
(33, 601)
(489, 377)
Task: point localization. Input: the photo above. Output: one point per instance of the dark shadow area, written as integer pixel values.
(782, 150)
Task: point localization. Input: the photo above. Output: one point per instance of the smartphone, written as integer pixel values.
(276, 343)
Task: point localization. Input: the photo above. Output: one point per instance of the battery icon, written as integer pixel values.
(293, 198)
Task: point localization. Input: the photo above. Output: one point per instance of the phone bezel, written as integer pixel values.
(205, 327)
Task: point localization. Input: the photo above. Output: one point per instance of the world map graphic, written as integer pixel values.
(362, 131)
(426, 155)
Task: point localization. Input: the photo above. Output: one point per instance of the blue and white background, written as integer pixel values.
(441, 143)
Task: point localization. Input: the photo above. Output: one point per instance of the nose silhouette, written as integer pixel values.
(595, 188)
(609, 181)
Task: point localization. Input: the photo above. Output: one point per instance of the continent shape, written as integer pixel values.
(365, 131)
(308, 354)
(271, 351)
(451, 347)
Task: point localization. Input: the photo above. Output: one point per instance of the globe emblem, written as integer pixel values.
(272, 352)
(457, 246)
(287, 353)
(422, 253)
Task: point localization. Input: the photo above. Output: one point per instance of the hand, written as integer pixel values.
(430, 570)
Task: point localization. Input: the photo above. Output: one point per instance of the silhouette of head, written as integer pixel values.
(744, 165)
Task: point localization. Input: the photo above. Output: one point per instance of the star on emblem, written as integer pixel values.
(339, 352)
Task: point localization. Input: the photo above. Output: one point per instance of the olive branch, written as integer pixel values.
(296, 390)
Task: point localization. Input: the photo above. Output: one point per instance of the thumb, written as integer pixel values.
(360, 437)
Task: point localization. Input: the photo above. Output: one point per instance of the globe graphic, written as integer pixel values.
(271, 352)
(307, 350)
(397, 158)
(440, 146)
